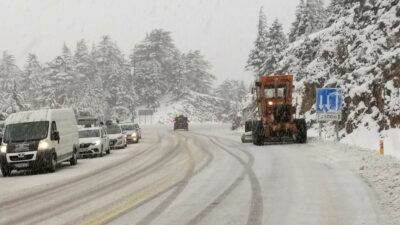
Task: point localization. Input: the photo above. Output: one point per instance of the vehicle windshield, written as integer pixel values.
(114, 130)
(89, 133)
(181, 119)
(21, 132)
(128, 127)
(275, 92)
(85, 121)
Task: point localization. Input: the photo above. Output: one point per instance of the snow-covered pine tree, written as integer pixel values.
(232, 92)
(310, 17)
(112, 67)
(196, 75)
(82, 60)
(158, 49)
(298, 28)
(258, 55)
(147, 76)
(59, 81)
(67, 59)
(33, 73)
(315, 16)
(276, 45)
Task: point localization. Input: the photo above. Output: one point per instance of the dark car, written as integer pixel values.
(181, 123)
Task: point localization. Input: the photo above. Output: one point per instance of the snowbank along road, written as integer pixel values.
(195, 177)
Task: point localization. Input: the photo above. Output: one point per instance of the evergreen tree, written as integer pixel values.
(158, 49)
(315, 13)
(310, 18)
(82, 60)
(111, 66)
(67, 59)
(297, 28)
(276, 45)
(33, 73)
(258, 55)
(232, 92)
(196, 75)
(147, 82)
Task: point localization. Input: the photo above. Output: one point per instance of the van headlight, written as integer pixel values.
(96, 142)
(43, 145)
(3, 148)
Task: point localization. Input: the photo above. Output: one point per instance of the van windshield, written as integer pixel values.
(21, 132)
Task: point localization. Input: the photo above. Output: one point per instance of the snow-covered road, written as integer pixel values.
(204, 176)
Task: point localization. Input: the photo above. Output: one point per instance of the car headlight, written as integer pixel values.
(43, 145)
(3, 149)
(96, 142)
(120, 137)
(134, 134)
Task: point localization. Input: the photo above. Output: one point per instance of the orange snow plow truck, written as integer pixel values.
(277, 122)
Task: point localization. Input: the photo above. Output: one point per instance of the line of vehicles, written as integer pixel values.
(42, 139)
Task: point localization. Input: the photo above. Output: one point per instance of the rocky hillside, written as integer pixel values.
(359, 52)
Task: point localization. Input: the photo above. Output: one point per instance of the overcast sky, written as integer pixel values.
(223, 30)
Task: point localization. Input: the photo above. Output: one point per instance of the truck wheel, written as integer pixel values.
(73, 161)
(108, 150)
(302, 130)
(53, 164)
(258, 134)
(5, 171)
(242, 138)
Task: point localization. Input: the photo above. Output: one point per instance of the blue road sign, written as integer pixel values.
(329, 100)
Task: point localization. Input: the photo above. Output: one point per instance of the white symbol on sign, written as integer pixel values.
(332, 102)
(337, 103)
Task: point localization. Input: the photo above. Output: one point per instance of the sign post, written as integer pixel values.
(144, 113)
(329, 105)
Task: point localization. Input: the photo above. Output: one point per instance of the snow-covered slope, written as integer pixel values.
(198, 107)
(360, 53)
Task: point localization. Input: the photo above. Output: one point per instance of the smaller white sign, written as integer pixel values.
(329, 116)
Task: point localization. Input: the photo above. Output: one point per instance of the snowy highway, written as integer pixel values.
(203, 176)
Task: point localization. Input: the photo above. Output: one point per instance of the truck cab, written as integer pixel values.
(181, 123)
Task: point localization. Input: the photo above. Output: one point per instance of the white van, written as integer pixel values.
(39, 140)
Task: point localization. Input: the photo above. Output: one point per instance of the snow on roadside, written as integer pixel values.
(382, 173)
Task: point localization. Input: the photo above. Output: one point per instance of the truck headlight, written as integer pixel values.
(3, 149)
(43, 145)
(270, 103)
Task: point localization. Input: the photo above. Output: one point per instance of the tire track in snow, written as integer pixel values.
(256, 204)
(178, 189)
(181, 186)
